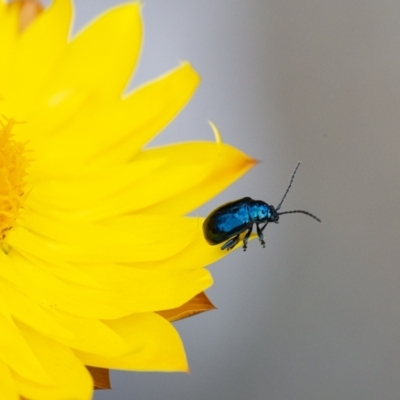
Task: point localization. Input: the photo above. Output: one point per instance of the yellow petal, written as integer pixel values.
(154, 105)
(31, 313)
(177, 189)
(228, 166)
(136, 290)
(110, 47)
(8, 37)
(147, 238)
(161, 290)
(71, 380)
(159, 346)
(172, 179)
(36, 54)
(75, 86)
(64, 106)
(187, 176)
(197, 255)
(8, 386)
(86, 190)
(91, 335)
(77, 332)
(87, 143)
(32, 246)
(16, 353)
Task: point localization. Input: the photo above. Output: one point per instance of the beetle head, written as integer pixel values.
(274, 216)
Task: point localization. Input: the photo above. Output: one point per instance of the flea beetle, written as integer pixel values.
(229, 221)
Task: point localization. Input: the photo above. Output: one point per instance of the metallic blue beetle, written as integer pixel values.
(226, 223)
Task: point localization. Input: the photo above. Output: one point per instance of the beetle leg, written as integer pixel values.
(260, 234)
(231, 243)
(246, 238)
(261, 229)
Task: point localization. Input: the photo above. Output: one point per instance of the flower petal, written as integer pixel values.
(133, 290)
(8, 37)
(110, 46)
(75, 86)
(228, 166)
(71, 379)
(86, 190)
(8, 387)
(86, 143)
(74, 331)
(200, 303)
(91, 335)
(177, 189)
(189, 174)
(154, 105)
(17, 354)
(197, 255)
(36, 54)
(158, 343)
(54, 264)
(28, 311)
(147, 238)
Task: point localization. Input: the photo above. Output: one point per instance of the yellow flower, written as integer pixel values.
(97, 256)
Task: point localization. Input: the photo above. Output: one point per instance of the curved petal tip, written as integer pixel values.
(217, 134)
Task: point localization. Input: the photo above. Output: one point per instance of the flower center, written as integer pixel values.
(13, 164)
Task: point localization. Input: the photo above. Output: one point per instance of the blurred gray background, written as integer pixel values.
(316, 314)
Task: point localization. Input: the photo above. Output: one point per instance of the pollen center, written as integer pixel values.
(13, 165)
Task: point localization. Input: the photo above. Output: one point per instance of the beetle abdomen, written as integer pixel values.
(226, 221)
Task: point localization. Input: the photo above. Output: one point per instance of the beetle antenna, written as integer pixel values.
(290, 185)
(302, 212)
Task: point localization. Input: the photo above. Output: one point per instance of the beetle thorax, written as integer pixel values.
(260, 211)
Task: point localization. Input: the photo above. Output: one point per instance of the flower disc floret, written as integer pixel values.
(13, 164)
